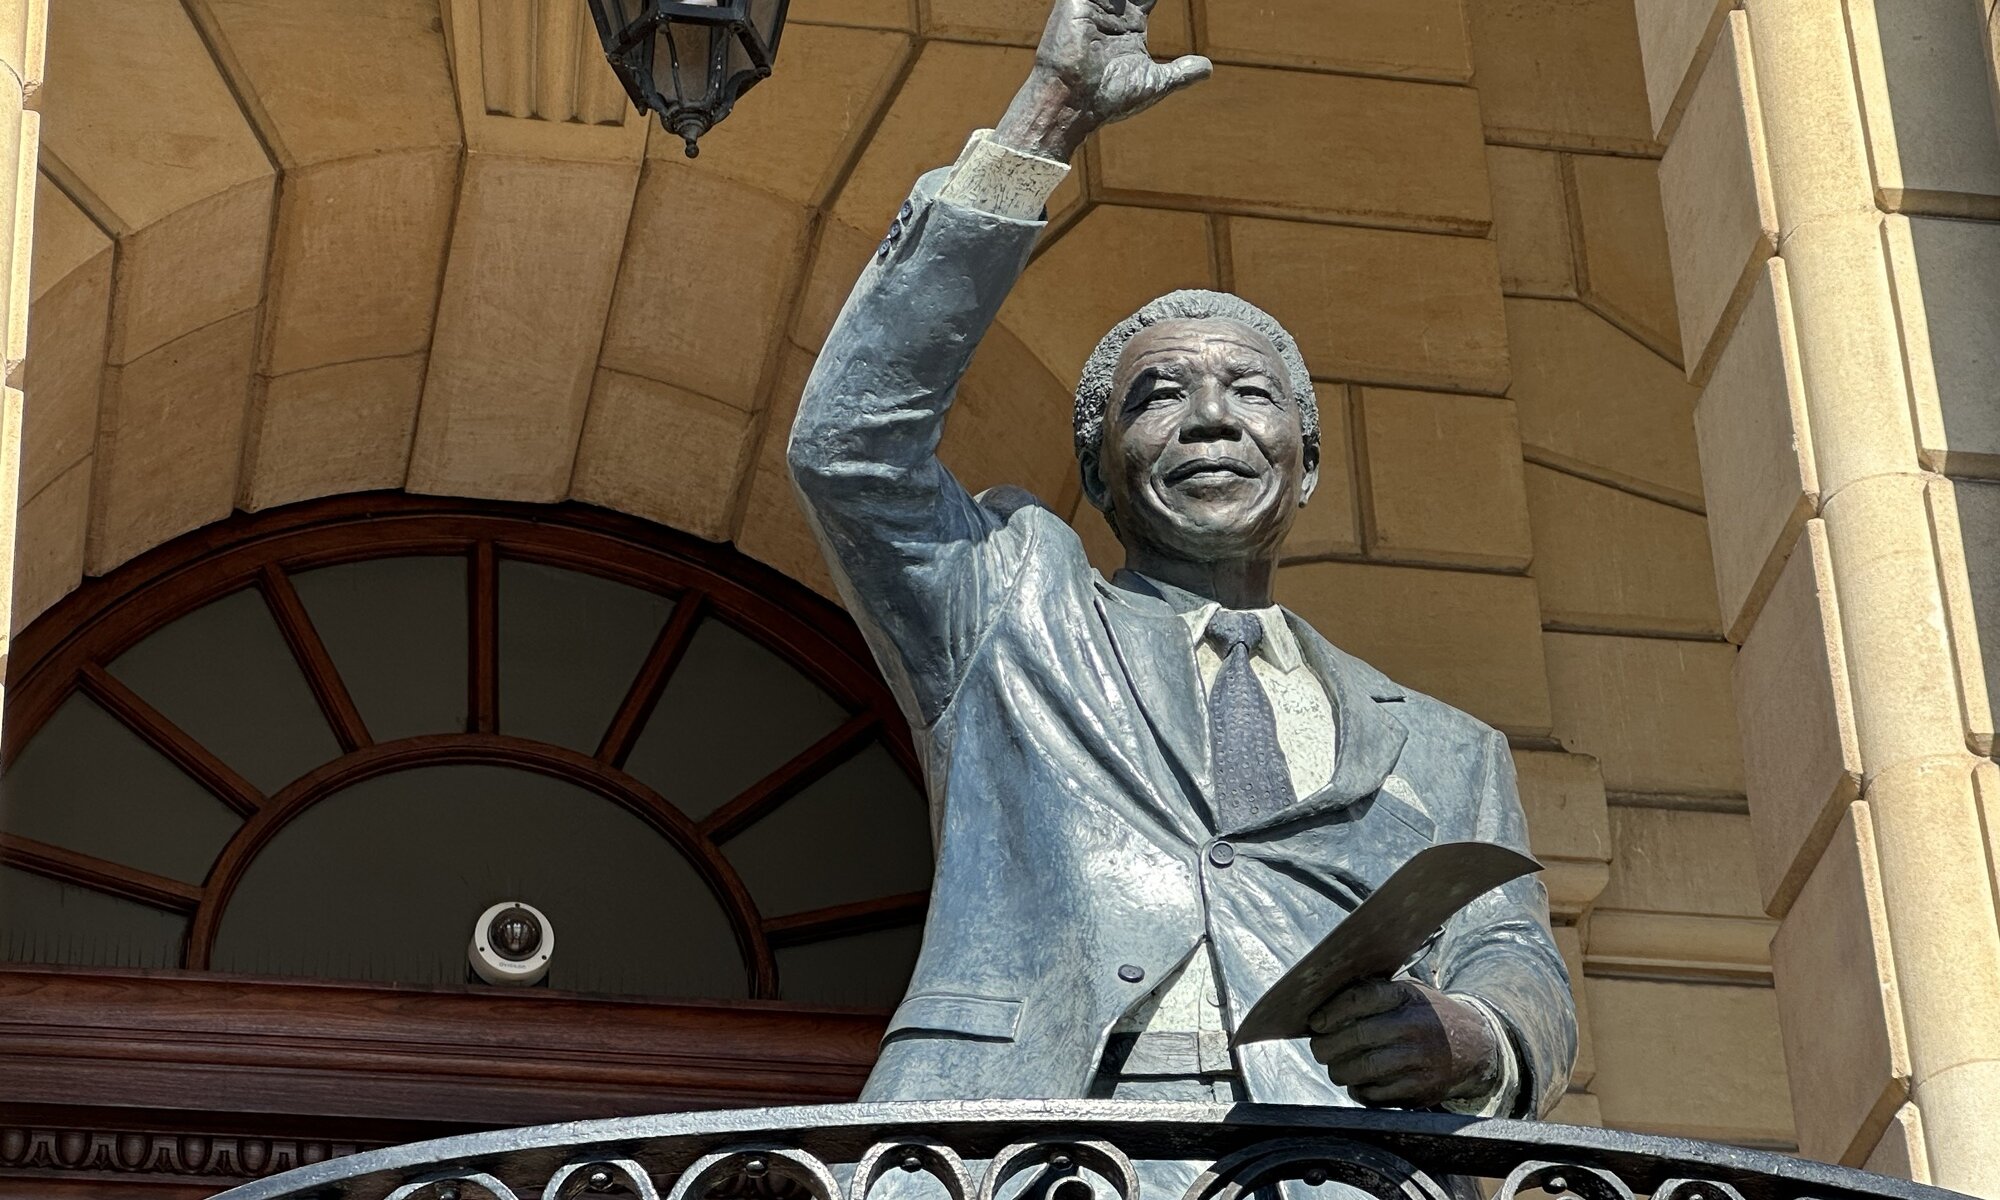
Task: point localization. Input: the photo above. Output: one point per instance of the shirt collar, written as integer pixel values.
(1280, 647)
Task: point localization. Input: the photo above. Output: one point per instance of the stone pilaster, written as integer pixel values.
(1832, 188)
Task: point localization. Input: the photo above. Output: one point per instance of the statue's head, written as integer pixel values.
(1197, 429)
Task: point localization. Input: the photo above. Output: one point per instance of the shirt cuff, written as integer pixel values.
(1002, 181)
(1506, 1094)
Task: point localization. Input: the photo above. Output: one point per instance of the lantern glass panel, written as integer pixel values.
(681, 58)
(767, 17)
(740, 62)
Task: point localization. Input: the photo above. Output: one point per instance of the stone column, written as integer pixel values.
(1832, 189)
(23, 31)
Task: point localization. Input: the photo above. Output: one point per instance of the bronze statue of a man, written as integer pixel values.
(1151, 794)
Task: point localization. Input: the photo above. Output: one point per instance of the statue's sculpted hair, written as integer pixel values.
(1093, 390)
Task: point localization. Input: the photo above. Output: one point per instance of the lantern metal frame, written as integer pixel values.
(631, 44)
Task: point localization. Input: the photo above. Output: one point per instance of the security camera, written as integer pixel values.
(512, 943)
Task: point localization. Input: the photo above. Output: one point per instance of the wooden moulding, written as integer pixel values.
(343, 1061)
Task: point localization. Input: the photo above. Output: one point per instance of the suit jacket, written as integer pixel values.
(1066, 754)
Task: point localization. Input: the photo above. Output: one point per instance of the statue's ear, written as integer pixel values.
(1093, 481)
(1310, 483)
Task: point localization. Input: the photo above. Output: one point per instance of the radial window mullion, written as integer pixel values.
(397, 630)
(322, 676)
(807, 768)
(179, 747)
(843, 920)
(97, 874)
(654, 676)
(483, 657)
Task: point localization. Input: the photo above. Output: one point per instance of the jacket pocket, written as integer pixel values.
(1399, 799)
(977, 1017)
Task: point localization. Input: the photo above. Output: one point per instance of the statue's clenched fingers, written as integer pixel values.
(1364, 999)
(1407, 1090)
(1377, 1066)
(1358, 1037)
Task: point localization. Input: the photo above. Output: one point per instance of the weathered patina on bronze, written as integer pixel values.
(1105, 817)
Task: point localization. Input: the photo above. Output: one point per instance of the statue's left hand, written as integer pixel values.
(1399, 1043)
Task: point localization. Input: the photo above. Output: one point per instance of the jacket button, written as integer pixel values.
(1222, 854)
(882, 252)
(1132, 973)
(909, 210)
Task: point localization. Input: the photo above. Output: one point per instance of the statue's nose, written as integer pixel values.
(1209, 416)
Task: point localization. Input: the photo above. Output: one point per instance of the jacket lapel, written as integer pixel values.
(1153, 647)
(1370, 740)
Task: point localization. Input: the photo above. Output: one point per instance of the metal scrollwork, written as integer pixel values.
(601, 1177)
(1062, 1159)
(1315, 1161)
(451, 1186)
(1695, 1189)
(757, 1173)
(912, 1155)
(1039, 1150)
(1589, 1183)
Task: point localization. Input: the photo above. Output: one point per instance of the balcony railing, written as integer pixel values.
(1065, 1150)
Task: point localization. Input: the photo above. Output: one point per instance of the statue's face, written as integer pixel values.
(1204, 455)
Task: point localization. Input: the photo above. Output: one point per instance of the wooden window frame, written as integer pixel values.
(363, 1063)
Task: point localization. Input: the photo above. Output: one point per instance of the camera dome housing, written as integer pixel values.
(512, 944)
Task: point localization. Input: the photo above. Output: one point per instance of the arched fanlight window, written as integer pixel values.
(320, 742)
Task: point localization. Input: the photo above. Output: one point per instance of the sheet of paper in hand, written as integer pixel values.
(1384, 933)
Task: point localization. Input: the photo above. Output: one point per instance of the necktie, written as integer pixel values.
(1251, 778)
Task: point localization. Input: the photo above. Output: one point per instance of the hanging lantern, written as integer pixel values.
(688, 60)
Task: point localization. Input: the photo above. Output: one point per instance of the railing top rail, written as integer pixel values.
(838, 1136)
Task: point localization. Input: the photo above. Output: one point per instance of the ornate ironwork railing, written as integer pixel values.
(1065, 1150)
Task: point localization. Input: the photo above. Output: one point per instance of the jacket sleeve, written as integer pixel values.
(1499, 948)
(922, 565)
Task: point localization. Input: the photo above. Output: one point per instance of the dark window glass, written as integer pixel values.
(224, 675)
(87, 783)
(43, 921)
(384, 882)
(570, 646)
(855, 835)
(866, 970)
(732, 713)
(396, 629)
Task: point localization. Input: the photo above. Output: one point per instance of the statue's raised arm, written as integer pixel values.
(1153, 793)
(919, 563)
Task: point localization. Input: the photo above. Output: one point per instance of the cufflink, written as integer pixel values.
(895, 235)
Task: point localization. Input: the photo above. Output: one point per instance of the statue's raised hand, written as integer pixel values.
(1091, 69)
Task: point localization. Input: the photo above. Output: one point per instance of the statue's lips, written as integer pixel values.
(1210, 468)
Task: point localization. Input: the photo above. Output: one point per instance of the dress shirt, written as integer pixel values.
(997, 179)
